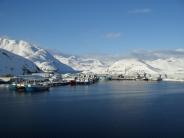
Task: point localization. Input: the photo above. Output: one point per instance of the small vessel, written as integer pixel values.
(36, 87)
(83, 82)
(73, 82)
(20, 87)
(13, 86)
(59, 83)
(28, 87)
(17, 87)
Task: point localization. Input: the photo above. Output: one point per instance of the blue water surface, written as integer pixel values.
(104, 109)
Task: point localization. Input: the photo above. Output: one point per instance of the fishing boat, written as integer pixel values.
(28, 83)
(28, 87)
(36, 87)
(20, 87)
(13, 86)
(17, 87)
(73, 82)
(83, 82)
(57, 81)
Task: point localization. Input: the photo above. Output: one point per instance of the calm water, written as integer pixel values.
(105, 109)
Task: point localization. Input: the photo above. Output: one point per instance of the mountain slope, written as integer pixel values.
(172, 67)
(11, 64)
(169, 62)
(83, 64)
(169, 68)
(132, 66)
(42, 58)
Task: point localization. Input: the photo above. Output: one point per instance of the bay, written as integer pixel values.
(104, 109)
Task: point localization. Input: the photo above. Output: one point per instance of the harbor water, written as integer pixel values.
(104, 109)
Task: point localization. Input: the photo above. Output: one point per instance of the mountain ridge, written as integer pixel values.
(170, 62)
(42, 58)
(12, 64)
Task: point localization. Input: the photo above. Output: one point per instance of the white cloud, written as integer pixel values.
(155, 54)
(112, 35)
(137, 11)
(180, 50)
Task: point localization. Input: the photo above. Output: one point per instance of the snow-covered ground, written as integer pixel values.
(11, 64)
(42, 58)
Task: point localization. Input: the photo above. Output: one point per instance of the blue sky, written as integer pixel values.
(95, 26)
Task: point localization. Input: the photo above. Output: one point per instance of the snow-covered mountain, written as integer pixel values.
(169, 62)
(42, 58)
(132, 66)
(83, 64)
(12, 64)
(171, 68)
(170, 65)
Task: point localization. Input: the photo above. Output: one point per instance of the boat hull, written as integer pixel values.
(32, 88)
(12, 87)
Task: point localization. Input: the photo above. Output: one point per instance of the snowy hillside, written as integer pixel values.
(11, 64)
(83, 64)
(169, 62)
(173, 67)
(42, 58)
(170, 69)
(132, 66)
